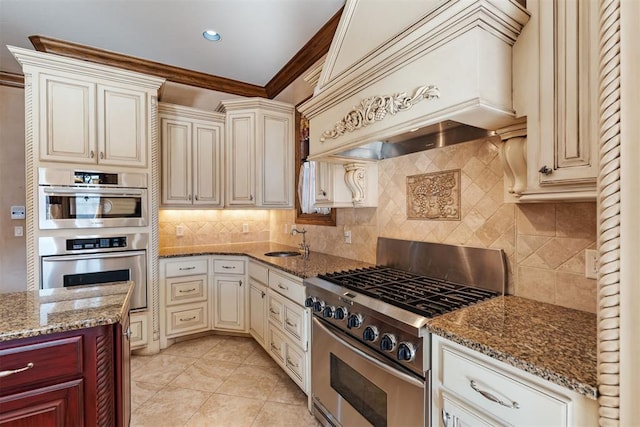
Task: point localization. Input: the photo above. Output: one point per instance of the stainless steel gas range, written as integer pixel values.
(370, 358)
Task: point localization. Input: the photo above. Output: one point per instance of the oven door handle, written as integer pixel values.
(363, 352)
(121, 254)
(93, 191)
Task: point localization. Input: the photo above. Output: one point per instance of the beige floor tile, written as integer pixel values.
(195, 347)
(284, 415)
(286, 391)
(255, 382)
(260, 358)
(171, 406)
(233, 349)
(138, 362)
(224, 410)
(205, 375)
(141, 392)
(162, 369)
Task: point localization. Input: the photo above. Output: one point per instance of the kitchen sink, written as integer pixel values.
(283, 253)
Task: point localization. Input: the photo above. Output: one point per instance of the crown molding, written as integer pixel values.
(11, 79)
(301, 61)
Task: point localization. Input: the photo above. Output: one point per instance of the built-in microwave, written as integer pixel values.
(91, 199)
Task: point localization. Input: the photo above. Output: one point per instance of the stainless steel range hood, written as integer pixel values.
(438, 135)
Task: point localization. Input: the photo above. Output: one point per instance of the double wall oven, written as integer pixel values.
(93, 229)
(370, 361)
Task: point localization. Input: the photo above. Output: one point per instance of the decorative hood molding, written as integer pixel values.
(389, 73)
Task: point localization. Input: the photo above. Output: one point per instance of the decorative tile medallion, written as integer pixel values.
(434, 196)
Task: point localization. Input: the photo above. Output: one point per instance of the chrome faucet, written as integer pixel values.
(303, 246)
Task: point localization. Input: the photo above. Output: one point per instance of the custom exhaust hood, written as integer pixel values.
(405, 78)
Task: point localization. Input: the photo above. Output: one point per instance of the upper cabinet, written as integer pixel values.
(191, 156)
(553, 155)
(259, 153)
(86, 113)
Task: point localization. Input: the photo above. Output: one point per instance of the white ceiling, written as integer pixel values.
(258, 36)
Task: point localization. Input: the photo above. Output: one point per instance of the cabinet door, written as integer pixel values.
(58, 405)
(324, 182)
(207, 165)
(229, 303)
(176, 162)
(241, 159)
(258, 312)
(67, 120)
(275, 155)
(122, 127)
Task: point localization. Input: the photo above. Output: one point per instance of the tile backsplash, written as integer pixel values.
(544, 243)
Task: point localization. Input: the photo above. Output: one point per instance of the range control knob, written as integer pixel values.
(318, 306)
(309, 301)
(328, 311)
(370, 333)
(406, 351)
(388, 342)
(341, 313)
(354, 320)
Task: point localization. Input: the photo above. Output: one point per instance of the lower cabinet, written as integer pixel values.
(258, 311)
(231, 294)
(139, 324)
(471, 389)
(71, 378)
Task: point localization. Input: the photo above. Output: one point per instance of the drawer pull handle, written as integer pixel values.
(16, 371)
(184, 291)
(274, 347)
(491, 397)
(290, 363)
(272, 311)
(186, 320)
(229, 267)
(187, 268)
(127, 334)
(293, 325)
(445, 418)
(281, 286)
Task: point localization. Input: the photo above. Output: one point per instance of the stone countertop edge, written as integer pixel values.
(316, 263)
(100, 305)
(564, 355)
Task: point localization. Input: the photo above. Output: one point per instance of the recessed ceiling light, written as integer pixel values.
(211, 35)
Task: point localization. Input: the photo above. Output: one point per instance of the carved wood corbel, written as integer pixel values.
(513, 156)
(356, 179)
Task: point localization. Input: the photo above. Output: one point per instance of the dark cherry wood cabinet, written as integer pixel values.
(75, 378)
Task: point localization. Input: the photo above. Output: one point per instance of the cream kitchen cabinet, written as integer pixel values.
(470, 388)
(259, 153)
(258, 279)
(230, 294)
(82, 121)
(184, 296)
(555, 157)
(191, 156)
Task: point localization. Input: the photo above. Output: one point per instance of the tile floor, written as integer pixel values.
(215, 381)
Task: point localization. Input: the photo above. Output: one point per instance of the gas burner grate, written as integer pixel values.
(419, 294)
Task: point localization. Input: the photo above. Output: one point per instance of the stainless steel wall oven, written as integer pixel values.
(94, 260)
(91, 199)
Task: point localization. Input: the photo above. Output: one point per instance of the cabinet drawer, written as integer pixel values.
(295, 364)
(461, 375)
(276, 310)
(186, 289)
(277, 345)
(287, 287)
(51, 360)
(138, 327)
(259, 272)
(186, 267)
(230, 266)
(187, 318)
(294, 323)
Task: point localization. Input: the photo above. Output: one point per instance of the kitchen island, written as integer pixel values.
(64, 356)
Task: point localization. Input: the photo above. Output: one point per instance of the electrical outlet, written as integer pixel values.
(591, 263)
(347, 236)
(18, 231)
(179, 230)
(245, 228)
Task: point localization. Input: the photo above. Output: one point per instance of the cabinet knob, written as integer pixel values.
(324, 193)
(101, 155)
(189, 197)
(195, 197)
(127, 333)
(251, 197)
(91, 154)
(545, 170)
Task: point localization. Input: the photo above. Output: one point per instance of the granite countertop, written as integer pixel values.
(317, 263)
(552, 342)
(31, 313)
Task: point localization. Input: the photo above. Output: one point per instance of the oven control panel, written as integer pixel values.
(96, 243)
